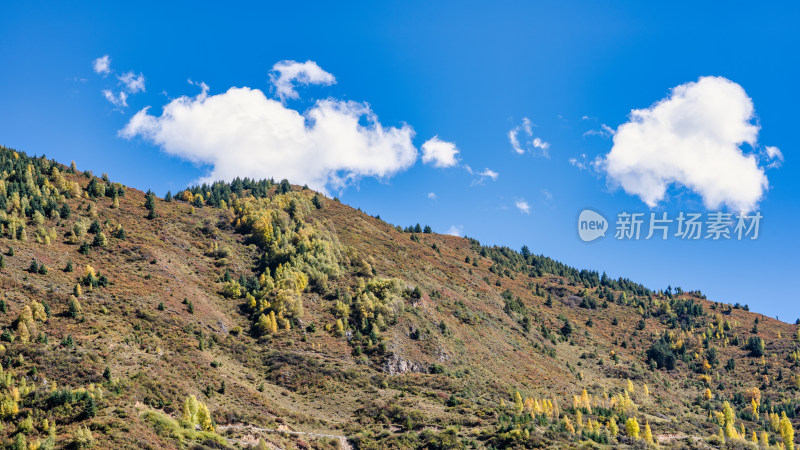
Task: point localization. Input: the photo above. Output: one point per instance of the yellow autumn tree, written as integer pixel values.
(267, 323)
(632, 428)
(729, 418)
(787, 432)
(648, 434)
(774, 422)
(612, 427)
(754, 408)
(190, 408)
(518, 405)
(568, 425)
(204, 417)
(22, 332)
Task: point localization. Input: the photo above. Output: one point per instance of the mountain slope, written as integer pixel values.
(280, 309)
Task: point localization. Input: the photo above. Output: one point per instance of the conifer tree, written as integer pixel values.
(74, 307)
(100, 240)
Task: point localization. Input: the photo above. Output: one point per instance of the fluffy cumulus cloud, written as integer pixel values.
(523, 206)
(439, 153)
(243, 133)
(522, 139)
(286, 74)
(692, 138)
(102, 65)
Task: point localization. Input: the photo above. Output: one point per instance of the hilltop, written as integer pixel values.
(220, 315)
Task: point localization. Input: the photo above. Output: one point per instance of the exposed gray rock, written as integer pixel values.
(396, 365)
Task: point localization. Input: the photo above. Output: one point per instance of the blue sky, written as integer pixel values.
(467, 73)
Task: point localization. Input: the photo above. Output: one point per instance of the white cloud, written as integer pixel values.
(102, 65)
(583, 163)
(482, 176)
(523, 206)
(773, 156)
(285, 74)
(529, 143)
(120, 100)
(439, 153)
(456, 230)
(539, 143)
(604, 131)
(133, 83)
(243, 133)
(432, 195)
(547, 195)
(692, 138)
(489, 173)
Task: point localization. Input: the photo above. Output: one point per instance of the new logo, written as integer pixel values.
(591, 225)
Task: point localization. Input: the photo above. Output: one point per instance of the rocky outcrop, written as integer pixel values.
(396, 365)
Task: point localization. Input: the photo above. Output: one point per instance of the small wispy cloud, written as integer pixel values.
(102, 65)
(605, 131)
(455, 230)
(286, 74)
(131, 82)
(432, 195)
(120, 99)
(774, 157)
(523, 206)
(584, 163)
(527, 143)
(489, 173)
(482, 176)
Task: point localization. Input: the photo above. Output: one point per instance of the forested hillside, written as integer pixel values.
(265, 314)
